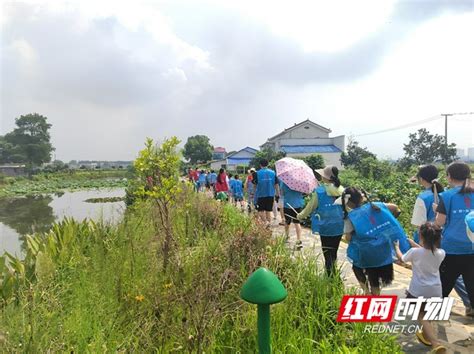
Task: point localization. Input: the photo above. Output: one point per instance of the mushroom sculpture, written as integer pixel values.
(263, 288)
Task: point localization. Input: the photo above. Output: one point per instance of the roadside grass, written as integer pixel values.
(92, 287)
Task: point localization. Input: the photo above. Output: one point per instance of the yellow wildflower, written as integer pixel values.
(139, 298)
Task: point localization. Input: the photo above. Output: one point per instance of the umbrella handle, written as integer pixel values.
(291, 217)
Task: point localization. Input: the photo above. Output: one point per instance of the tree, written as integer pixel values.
(424, 148)
(355, 154)
(198, 149)
(315, 161)
(29, 142)
(269, 154)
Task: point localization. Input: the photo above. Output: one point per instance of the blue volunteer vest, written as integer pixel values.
(455, 239)
(291, 198)
(238, 189)
(213, 178)
(265, 183)
(427, 197)
(375, 232)
(327, 219)
(202, 178)
(231, 184)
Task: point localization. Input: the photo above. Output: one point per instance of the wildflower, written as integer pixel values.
(169, 285)
(139, 298)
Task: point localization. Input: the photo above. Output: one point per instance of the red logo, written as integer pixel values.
(358, 308)
(467, 200)
(372, 220)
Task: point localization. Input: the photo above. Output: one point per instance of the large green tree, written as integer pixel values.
(424, 148)
(29, 142)
(315, 161)
(198, 149)
(355, 154)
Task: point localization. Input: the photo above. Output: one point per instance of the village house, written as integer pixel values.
(237, 161)
(307, 138)
(13, 170)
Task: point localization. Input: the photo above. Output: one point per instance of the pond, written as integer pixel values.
(24, 215)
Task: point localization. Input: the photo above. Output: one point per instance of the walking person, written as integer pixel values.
(213, 180)
(202, 181)
(267, 187)
(453, 209)
(423, 211)
(425, 282)
(293, 202)
(221, 182)
(250, 190)
(370, 228)
(327, 218)
(238, 192)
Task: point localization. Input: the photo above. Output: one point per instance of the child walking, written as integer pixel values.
(238, 192)
(425, 281)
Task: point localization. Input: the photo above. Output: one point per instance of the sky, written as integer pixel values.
(108, 74)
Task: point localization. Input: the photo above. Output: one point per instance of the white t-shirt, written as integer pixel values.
(419, 213)
(425, 280)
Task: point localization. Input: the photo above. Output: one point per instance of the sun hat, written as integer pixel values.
(326, 172)
(252, 169)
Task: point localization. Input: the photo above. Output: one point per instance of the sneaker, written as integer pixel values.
(469, 311)
(299, 245)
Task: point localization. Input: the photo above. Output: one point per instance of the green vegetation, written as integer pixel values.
(167, 279)
(105, 200)
(93, 287)
(48, 183)
(28, 143)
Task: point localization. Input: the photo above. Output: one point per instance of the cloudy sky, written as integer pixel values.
(108, 74)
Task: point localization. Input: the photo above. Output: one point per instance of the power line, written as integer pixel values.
(402, 126)
(436, 117)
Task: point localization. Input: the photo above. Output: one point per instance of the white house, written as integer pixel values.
(307, 138)
(239, 158)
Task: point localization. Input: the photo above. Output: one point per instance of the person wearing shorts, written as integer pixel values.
(266, 183)
(293, 203)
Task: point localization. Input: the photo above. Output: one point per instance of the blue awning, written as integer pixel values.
(309, 149)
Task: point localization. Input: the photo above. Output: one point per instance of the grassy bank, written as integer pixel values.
(62, 181)
(95, 288)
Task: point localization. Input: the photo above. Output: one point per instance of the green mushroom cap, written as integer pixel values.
(263, 288)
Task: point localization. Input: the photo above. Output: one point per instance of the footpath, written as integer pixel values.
(457, 334)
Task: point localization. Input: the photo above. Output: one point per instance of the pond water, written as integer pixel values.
(24, 215)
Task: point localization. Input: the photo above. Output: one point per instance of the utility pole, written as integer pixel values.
(446, 115)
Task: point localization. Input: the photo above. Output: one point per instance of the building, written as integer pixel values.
(460, 154)
(236, 161)
(12, 170)
(470, 154)
(219, 153)
(308, 138)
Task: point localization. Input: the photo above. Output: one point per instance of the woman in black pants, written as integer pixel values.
(454, 205)
(327, 219)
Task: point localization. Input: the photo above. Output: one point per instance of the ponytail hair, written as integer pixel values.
(435, 185)
(335, 176)
(372, 205)
(460, 171)
(354, 196)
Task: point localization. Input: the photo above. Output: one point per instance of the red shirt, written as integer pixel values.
(222, 185)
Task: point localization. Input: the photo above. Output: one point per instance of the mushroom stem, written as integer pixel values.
(263, 325)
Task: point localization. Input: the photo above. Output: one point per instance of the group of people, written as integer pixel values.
(441, 251)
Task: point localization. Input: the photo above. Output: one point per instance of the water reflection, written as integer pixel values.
(27, 215)
(21, 216)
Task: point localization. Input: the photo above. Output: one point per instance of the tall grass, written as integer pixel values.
(95, 288)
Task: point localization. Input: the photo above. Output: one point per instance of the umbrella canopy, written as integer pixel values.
(296, 174)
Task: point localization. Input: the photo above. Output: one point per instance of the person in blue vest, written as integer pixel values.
(371, 229)
(266, 183)
(202, 181)
(454, 206)
(327, 218)
(423, 212)
(250, 190)
(238, 192)
(212, 180)
(293, 203)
